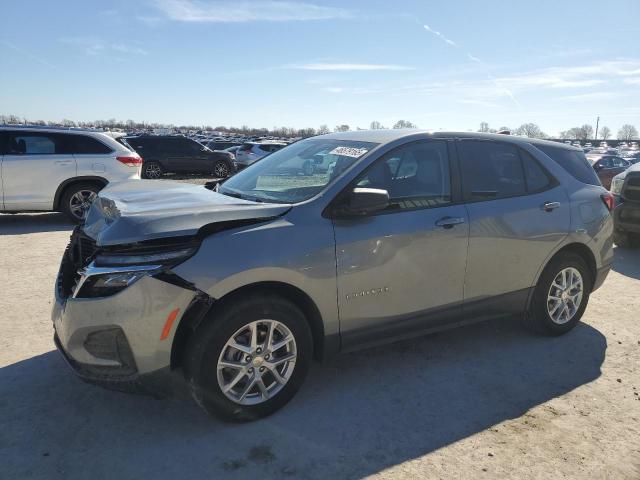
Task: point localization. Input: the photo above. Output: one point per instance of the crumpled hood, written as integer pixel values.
(139, 210)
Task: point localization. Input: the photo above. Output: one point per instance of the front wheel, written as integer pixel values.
(561, 295)
(249, 359)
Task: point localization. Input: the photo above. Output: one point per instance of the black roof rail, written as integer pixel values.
(51, 127)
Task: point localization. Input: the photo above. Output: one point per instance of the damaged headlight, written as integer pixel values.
(161, 258)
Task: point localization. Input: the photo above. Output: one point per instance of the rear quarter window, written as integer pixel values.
(573, 162)
(82, 144)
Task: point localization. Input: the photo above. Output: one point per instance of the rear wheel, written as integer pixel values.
(561, 296)
(152, 170)
(221, 169)
(249, 359)
(77, 199)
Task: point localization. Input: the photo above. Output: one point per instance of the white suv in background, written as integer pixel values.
(251, 152)
(54, 169)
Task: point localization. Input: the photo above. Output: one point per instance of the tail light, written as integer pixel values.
(608, 200)
(131, 161)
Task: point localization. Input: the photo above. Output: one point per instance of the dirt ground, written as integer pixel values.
(487, 401)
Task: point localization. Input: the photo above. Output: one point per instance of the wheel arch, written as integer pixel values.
(99, 181)
(284, 290)
(580, 249)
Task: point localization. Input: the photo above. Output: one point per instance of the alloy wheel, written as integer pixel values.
(221, 170)
(256, 362)
(565, 295)
(152, 170)
(80, 202)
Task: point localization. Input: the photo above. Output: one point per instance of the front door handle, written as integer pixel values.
(550, 206)
(449, 222)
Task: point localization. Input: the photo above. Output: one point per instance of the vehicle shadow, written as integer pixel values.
(23, 223)
(357, 415)
(626, 261)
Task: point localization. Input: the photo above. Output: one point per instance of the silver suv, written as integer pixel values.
(233, 292)
(46, 169)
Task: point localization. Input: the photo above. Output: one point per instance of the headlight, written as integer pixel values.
(162, 258)
(616, 186)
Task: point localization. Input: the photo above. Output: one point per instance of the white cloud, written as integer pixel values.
(333, 89)
(590, 96)
(440, 35)
(92, 46)
(632, 81)
(348, 67)
(481, 103)
(473, 58)
(227, 11)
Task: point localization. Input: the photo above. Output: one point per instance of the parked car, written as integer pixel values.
(625, 187)
(176, 154)
(221, 144)
(608, 166)
(235, 292)
(54, 169)
(251, 152)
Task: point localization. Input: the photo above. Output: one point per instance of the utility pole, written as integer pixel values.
(597, 123)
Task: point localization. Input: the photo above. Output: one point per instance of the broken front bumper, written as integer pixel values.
(123, 341)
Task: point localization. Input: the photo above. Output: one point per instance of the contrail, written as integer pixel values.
(29, 54)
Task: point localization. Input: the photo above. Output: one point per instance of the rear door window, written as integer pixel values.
(491, 170)
(574, 162)
(536, 177)
(34, 143)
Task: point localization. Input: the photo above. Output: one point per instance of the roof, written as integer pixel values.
(389, 135)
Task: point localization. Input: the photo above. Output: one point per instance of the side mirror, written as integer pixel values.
(363, 202)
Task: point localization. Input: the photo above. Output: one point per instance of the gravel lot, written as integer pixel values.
(487, 401)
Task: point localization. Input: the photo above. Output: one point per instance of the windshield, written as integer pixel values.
(297, 172)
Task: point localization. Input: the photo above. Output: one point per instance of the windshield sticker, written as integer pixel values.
(349, 152)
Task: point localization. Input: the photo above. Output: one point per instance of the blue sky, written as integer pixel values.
(440, 64)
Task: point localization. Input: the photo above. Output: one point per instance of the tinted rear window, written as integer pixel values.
(82, 144)
(573, 162)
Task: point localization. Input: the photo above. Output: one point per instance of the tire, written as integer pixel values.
(77, 199)
(209, 344)
(538, 318)
(152, 170)
(626, 239)
(221, 169)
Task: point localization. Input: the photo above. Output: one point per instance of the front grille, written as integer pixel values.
(631, 188)
(78, 254)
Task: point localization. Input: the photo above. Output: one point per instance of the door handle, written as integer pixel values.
(62, 162)
(449, 222)
(549, 206)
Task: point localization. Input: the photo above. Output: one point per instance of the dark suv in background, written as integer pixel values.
(176, 154)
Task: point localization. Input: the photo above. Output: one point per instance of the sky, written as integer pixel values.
(439, 64)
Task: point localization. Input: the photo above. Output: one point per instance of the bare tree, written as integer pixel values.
(484, 127)
(586, 132)
(323, 129)
(404, 124)
(530, 130)
(375, 125)
(342, 128)
(627, 132)
(605, 132)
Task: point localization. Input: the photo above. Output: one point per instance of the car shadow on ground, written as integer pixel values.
(357, 415)
(23, 223)
(626, 261)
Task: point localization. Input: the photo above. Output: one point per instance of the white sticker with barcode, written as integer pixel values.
(349, 152)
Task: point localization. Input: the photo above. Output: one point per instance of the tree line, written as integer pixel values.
(131, 125)
(626, 132)
(585, 132)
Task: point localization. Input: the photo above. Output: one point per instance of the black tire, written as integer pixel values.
(206, 344)
(626, 239)
(70, 202)
(537, 318)
(152, 170)
(221, 169)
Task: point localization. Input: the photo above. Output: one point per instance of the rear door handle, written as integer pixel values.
(449, 222)
(549, 206)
